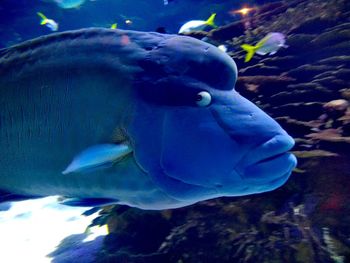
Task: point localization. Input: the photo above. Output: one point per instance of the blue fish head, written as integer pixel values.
(194, 135)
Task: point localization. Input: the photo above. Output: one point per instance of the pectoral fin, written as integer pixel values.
(97, 157)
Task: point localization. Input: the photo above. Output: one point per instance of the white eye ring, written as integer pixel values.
(203, 99)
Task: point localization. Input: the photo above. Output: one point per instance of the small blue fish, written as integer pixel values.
(270, 44)
(149, 120)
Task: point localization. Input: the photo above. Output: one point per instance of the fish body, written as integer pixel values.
(197, 25)
(50, 23)
(270, 44)
(123, 117)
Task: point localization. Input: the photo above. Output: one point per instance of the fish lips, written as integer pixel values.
(269, 162)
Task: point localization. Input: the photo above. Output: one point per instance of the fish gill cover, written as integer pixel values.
(305, 87)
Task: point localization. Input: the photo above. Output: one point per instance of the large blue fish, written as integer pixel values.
(144, 119)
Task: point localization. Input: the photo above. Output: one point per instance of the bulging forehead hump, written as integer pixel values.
(198, 60)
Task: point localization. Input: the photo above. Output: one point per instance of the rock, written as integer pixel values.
(345, 93)
(300, 111)
(346, 129)
(265, 79)
(227, 32)
(305, 86)
(307, 72)
(336, 60)
(329, 134)
(284, 63)
(320, 95)
(333, 50)
(267, 85)
(268, 9)
(314, 153)
(332, 140)
(299, 43)
(336, 105)
(313, 25)
(331, 37)
(331, 82)
(339, 27)
(131, 231)
(259, 69)
(295, 127)
(342, 73)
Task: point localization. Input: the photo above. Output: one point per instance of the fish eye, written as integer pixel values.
(203, 99)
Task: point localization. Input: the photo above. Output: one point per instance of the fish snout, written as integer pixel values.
(263, 162)
(243, 121)
(269, 162)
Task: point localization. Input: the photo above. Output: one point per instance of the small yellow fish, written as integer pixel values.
(197, 25)
(114, 26)
(50, 23)
(270, 44)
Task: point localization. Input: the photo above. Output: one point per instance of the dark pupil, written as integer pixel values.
(199, 97)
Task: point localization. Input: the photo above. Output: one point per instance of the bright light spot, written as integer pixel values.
(223, 48)
(32, 229)
(243, 11)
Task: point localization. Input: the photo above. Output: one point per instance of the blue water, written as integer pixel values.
(18, 19)
(306, 220)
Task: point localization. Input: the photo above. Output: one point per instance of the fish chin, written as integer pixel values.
(195, 149)
(270, 169)
(268, 165)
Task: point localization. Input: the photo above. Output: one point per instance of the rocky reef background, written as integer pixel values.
(306, 88)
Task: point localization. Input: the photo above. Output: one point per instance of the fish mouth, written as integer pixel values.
(276, 157)
(269, 161)
(271, 169)
(269, 150)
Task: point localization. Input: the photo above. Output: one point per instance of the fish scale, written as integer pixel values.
(35, 52)
(53, 127)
